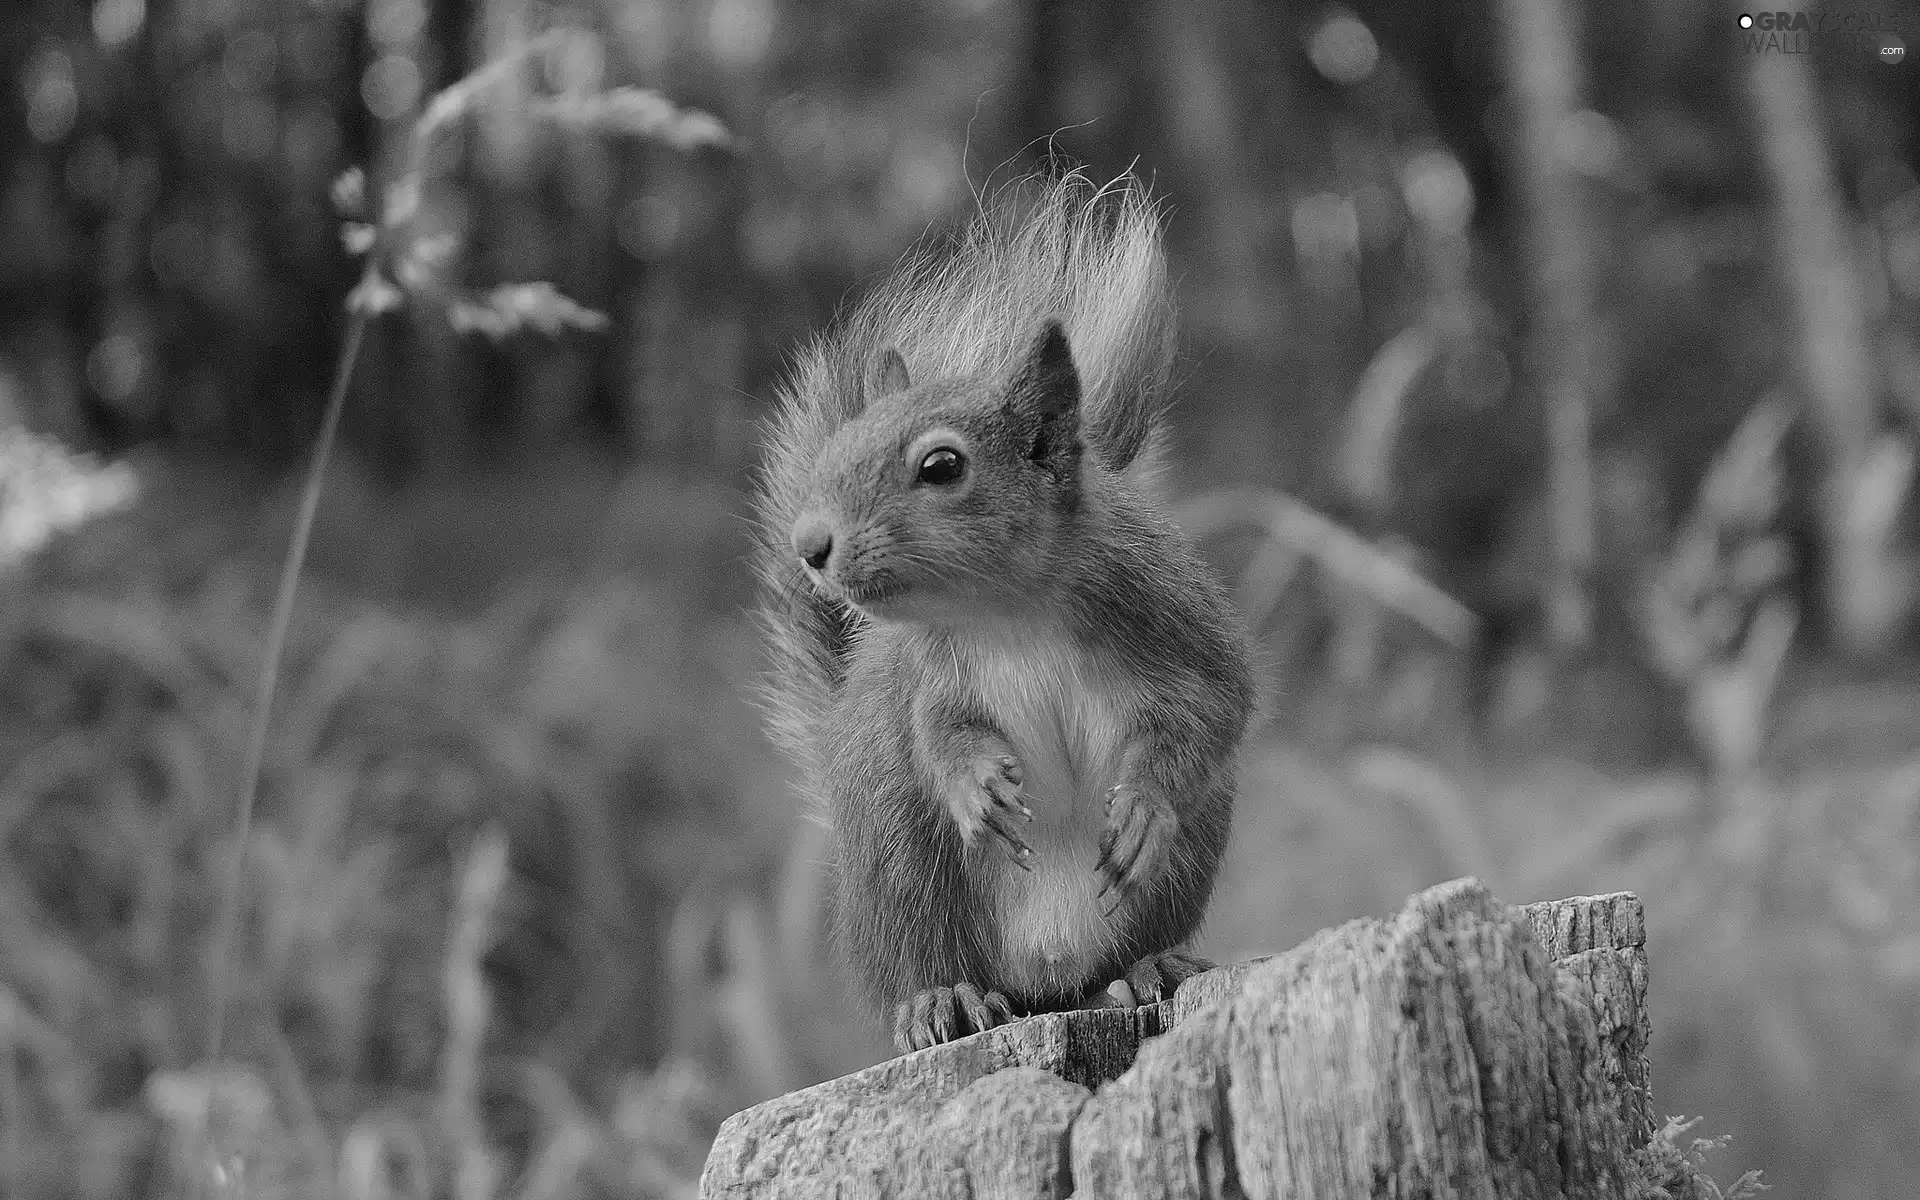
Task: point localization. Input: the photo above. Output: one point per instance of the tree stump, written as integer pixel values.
(1462, 1048)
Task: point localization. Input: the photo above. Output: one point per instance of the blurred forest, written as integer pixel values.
(1550, 392)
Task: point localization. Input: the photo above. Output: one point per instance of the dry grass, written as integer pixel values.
(1784, 939)
(527, 909)
(571, 748)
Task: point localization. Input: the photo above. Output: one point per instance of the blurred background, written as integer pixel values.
(1550, 387)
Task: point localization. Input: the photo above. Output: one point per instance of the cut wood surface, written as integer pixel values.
(1460, 1048)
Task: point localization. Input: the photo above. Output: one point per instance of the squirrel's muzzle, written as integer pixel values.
(813, 541)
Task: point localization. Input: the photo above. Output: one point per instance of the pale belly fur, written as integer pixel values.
(1065, 723)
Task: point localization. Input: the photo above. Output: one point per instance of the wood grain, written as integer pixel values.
(1460, 1048)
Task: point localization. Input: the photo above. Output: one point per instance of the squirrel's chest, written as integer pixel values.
(1067, 721)
(1063, 716)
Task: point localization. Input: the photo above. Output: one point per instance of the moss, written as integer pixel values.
(1665, 1170)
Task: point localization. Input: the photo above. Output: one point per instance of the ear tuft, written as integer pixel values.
(1047, 378)
(891, 373)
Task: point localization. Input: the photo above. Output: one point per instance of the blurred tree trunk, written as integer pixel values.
(1863, 478)
(1084, 93)
(683, 366)
(1206, 136)
(1035, 107)
(1543, 67)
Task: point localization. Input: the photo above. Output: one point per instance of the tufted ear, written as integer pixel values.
(1046, 383)
(1044, 397)
(890, 373)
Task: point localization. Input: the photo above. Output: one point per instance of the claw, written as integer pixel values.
(1154, 978)
(991, 800)
(973, 1005)
(941, 1014)
(923, 1019)
(1145, 980)
(1134, 847)
(1004, 789)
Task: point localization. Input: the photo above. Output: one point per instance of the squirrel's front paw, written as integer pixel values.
(987, 799)
(1134, 848)
(942, 1014)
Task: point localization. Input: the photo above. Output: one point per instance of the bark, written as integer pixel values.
(1460, 1048)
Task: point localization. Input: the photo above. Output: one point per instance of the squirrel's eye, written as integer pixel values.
(942, 466)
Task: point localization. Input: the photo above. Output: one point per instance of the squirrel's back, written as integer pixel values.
(965, 306)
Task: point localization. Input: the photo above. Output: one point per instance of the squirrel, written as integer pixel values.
(1002, 672)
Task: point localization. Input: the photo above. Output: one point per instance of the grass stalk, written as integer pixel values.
(229, 914)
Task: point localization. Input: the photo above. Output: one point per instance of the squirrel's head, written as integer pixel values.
(944, 500)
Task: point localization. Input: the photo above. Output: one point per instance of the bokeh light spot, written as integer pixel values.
(392, 23)
(1343, 49)
(114, 367)
(1438, 192)
(117, 21)
(390, 86)
(52, 94)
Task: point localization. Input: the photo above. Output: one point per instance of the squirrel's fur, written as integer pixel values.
(1023, 647)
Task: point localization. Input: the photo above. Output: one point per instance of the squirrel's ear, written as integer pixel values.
(890, 373)
(1047, 378)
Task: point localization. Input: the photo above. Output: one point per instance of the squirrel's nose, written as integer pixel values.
(813, 542)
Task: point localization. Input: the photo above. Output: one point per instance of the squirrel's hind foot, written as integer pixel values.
(941, 1014)
(1152, 979)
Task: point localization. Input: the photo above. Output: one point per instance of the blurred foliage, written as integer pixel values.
(403, 735)
(527, 908)
(553, 663)
(1336, 179)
